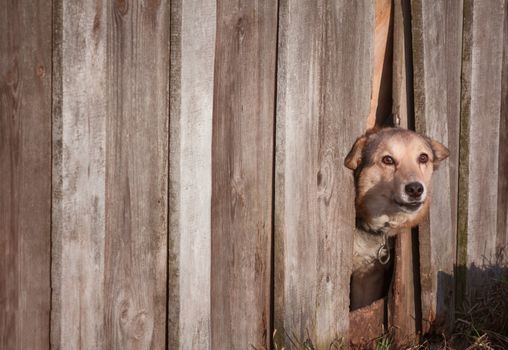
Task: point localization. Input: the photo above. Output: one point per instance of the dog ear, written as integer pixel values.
(440, 152)
(354, 157)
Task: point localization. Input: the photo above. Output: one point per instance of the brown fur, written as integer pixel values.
(383, 207)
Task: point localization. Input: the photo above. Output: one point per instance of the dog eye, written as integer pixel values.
(388, 160)
(423, 158)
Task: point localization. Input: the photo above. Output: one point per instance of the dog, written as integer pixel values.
(392, 170)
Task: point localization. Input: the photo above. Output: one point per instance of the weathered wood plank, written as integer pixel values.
(323, 100)
(191, 88)
(463, 180)
(437, 50)
(242, 158)
(136, 175)
(402, 310)
(402, 97)
(78, 228)
(502, 201)
(482, 73)
(110, 167)
(368, 323)
(25, 168)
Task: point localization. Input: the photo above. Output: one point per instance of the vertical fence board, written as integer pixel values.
(110, 183)
(242, 150)
(324, 88)
(437, 31)
(401, 90)
(25, 170)
(502, 202)
(78, 228)
(380, 102)
(192, 65)
(136, 175)
(482, 72)
(403, 314)
(463, 179)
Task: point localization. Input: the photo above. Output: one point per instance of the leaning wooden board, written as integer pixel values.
(191, 95)
(25, 174)
(479, 145)
(403, 311)
(242, 163)
(437, 52)
(368, 323)
(110, 133)
(325, 65)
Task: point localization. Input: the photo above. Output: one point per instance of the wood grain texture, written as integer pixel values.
(502, 201)
(369, 322)
(381, 101)
(403, 312)
(78, 228)
(463, 180)
(242, 158)
(484, 93)
(25, 168)
(401, 93)
(110, 175)
(136, 175)
(437, 52)
(192, 65)
(325, 68)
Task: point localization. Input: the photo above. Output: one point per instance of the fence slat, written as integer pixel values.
(25, 174)
(242, 150)
(324, 89)
(502, 202)
(437, 50)
(110, 183)
(78, 177)
(380, 103)
(191, 88)
(403, 318)
(481, 96)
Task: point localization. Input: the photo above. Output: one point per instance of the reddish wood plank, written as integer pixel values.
(325, 68)
(381, 101)
(402, 310)
(242, 150)
(366, 325)
(25, 168)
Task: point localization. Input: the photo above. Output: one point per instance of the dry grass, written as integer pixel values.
(294, 343)
(482, 324)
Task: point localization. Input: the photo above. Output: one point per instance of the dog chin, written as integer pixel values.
(409, 207)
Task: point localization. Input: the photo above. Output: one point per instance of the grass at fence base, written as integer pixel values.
(481, 323)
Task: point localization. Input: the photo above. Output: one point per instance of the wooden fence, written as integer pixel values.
(171, 171)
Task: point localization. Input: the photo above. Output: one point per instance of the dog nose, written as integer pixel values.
(414, 189)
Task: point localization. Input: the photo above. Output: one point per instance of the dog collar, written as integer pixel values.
(383, 252)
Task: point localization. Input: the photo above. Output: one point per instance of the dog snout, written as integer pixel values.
(414, 190)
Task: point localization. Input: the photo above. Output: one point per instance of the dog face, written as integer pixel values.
(393, 170)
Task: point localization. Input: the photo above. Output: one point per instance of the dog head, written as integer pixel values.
(393, 169)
